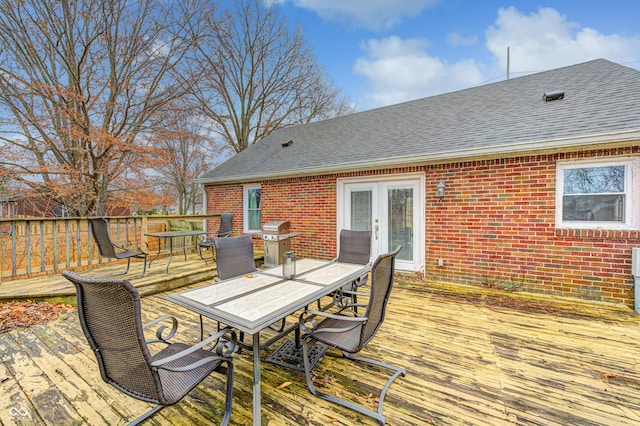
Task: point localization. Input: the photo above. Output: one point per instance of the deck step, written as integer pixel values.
(56, 288)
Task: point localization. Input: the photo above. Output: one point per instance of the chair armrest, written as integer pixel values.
(159, 337)
(129, 246)
(308, 324)
(223, 350)
(356, 293)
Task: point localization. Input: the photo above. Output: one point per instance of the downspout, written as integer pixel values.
(635, 270)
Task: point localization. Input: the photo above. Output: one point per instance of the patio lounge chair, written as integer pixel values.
(110, 316)
(106, 248)
(355, 247)
(226, 222)
(350, 334)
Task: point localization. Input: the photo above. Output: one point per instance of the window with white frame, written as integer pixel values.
(252, 208)
(598, 194)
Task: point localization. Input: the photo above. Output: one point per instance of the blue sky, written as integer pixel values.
(382, 52)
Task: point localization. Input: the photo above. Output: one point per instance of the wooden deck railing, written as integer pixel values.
(30, 246)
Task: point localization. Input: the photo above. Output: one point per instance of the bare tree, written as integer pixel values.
(80, 82)
(182, 152)
(256, 75)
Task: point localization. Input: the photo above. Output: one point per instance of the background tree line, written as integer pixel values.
(125, 103)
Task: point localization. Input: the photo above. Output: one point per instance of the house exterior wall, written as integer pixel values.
(495, 227)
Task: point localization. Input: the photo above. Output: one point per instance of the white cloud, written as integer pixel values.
(457, 39)
(371, 14)
(546, 40)
(401, 69)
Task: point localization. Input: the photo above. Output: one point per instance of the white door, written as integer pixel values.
(392, 209)
(361, 211)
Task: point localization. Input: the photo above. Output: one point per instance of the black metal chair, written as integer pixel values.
(350, 334)
(110, 316)
(355, 247)
(106, 248)
(226, 223)
(235, 257)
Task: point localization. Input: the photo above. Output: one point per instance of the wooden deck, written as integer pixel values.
(471, 358)
(55, 288)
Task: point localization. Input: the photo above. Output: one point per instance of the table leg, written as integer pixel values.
(170, 254)
(157, 254)
(184, 247)
(256, 380)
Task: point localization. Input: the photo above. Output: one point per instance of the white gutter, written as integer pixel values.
(549, 145)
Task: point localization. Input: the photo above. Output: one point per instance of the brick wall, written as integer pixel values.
(495, 227)
(314, 219)
(225, 199)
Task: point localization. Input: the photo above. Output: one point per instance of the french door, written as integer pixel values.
(392, 208)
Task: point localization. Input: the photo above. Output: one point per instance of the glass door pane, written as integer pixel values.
(361, 210)
(400, 221)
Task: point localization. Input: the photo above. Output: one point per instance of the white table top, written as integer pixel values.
(253, 302)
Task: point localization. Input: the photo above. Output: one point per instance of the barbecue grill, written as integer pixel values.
(277, 240)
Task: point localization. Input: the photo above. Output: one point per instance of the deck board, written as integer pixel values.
(54, 287)
(468, 362)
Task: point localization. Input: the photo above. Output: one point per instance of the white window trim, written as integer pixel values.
(245, 207)
(632, 187)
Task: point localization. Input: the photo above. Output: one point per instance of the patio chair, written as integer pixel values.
(355, 247)
(106, 248)
(350, 334)
(110, 315)
(234, 257)
(226, 222)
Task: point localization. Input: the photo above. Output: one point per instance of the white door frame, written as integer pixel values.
(418, 179)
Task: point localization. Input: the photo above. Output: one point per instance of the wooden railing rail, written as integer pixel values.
(39, 245)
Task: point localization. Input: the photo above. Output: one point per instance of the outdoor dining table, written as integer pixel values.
(170, 235)
(252, 302)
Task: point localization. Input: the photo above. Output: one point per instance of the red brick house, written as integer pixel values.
(541, 177)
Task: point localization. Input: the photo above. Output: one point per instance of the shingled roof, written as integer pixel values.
(601, 106)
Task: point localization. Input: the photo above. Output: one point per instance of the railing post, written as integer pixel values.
(14, 255)
(28, 245)
(90, 244)
(78, 242)
(143, 231)
(42, 261)
(55, 244)
(68, 245)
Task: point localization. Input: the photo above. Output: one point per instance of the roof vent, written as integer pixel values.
(286, 144)
(552, 96)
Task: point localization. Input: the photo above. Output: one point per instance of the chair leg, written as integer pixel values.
(199, 249)
(397, 373)
(146, 415)
(128, 264)
(144, 267)
(377, 415)
(228, 402)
